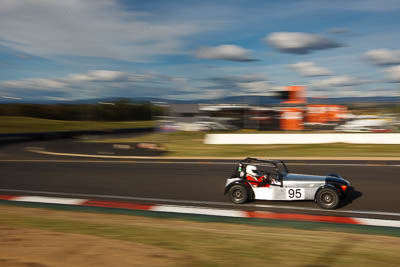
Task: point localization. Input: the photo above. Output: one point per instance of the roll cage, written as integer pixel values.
(277, 165)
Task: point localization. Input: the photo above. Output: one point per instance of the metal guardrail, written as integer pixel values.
(21, 137)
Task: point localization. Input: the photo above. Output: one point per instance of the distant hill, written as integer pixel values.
(351, 100)
(270, 100)
(250, 100)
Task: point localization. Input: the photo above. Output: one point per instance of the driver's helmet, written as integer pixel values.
(252, 170)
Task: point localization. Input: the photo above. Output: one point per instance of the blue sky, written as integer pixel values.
(78, 49)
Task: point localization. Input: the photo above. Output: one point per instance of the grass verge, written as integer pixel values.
(190, 144)
(11, 124)
(185, 243)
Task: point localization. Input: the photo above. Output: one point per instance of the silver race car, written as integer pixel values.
(270, 180)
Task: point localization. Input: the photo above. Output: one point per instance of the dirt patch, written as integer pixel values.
(38, 248)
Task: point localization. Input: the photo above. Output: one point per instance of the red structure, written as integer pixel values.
(292, 119)
(325, 113)
(295, 95)
(296, 110)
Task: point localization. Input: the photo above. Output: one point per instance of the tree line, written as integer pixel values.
(122, 110)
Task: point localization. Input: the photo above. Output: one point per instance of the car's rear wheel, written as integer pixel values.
(328, 198)
(238, 194)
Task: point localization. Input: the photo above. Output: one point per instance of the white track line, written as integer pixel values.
(51, 200)
(40, 151)
(378, 222)
(193, 162)
(201, 202)
(119, 161)
(200, 210)
(87, 155)
(334, 211)
(117, 197)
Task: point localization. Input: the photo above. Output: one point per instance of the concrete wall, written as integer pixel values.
(352, 138)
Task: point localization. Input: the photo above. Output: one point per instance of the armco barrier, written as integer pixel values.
(21, 137)
(271, 139)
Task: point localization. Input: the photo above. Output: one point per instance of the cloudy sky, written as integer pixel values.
(79, 49)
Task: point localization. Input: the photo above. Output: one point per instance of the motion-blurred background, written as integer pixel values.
(206, 66)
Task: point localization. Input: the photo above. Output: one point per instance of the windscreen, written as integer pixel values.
(282, 168)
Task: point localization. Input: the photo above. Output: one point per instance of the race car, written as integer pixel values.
(256, 179)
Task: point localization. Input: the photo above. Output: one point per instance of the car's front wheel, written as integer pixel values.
(238, 194)
(328, 198)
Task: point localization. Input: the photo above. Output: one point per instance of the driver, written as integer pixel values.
(253, 175)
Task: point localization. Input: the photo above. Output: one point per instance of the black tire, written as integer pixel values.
(328, 198)
(238, 194)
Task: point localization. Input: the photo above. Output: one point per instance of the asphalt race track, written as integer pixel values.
(187, 182)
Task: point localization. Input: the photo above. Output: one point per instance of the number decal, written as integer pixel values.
(295, 193)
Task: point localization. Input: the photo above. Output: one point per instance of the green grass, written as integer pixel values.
(216, 244)
(10, 124)
(190, 144)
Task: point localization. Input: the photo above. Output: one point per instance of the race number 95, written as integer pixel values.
(294, 193)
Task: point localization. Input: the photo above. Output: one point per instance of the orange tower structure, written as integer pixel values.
(297, 111)
(296, 95)
(292, 117)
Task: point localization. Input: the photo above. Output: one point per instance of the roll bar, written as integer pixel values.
(255, 161)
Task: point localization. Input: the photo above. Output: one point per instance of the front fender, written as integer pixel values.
(327, 186)
(240, 182)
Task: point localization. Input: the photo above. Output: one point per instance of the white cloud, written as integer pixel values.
(309, 69)
(244, 84)
(383, 56)
(393, 74)
(224, 52)
(299, 42)
(253, 77)
(99, 75)
(95, 83)
(205, 94)
(337, 81)
(258, 87)
(182, 85)
(88, 84)
(37, 83)
(76, 79)
(89, 28)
